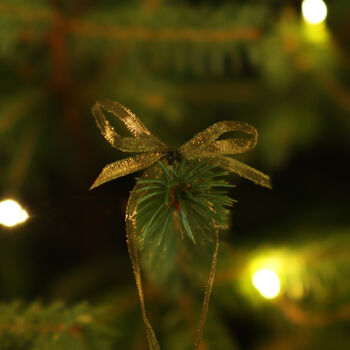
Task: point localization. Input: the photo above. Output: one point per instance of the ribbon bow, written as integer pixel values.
(204, 145)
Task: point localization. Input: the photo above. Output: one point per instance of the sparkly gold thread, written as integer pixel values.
(207, 293)
(203, 145)
(126, 166)
(234, 166)
(131, 230)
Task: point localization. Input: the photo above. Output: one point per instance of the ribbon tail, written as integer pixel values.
(126, 166)
(243, 170)
(234, 166)
(207, 293)
(130, 221)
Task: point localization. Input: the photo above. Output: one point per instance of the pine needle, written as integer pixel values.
(187, 196)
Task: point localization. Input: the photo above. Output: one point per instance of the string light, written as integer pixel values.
(267, 283)
(314, 11)
(11, 213)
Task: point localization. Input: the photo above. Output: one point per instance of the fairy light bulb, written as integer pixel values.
(11, 213)
(314, 11)
(267, 283)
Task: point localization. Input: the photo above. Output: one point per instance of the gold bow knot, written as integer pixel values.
(204, 145)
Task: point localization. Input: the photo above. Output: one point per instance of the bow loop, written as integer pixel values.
(143, 140)
(231, 146)
(206, 139)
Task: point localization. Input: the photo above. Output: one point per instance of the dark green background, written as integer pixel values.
(247, 60)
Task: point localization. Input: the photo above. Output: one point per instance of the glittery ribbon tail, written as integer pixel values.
(131, 232)
(234, 166)
(130, 221)
(126, 166)
(243, 170)
(207, 293)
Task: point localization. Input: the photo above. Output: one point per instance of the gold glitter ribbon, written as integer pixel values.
(204, 145)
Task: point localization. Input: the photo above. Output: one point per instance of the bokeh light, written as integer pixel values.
(314, 11)
(11, 213)
(267, 283)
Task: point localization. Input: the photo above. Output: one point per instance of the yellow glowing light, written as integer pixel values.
(267, 283)
(11, 213)
(314, 11)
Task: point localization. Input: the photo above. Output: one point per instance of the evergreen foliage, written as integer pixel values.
(188, 195)
(183, 207)
(35, 327)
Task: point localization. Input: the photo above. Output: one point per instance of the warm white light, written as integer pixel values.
(11, 213)
(314, 11)
(267, 283)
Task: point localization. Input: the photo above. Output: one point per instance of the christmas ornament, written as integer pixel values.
(174, 178)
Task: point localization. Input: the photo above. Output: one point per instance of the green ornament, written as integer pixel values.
(180, 194)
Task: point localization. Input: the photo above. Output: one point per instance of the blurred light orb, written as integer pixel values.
(314, 11)
(11, 213)
(267, 283)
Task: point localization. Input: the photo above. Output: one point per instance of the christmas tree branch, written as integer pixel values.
(53, 327)
(130, 33)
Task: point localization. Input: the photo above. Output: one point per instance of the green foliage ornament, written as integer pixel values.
(178, 216)
(180, 198)
(185, 192)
